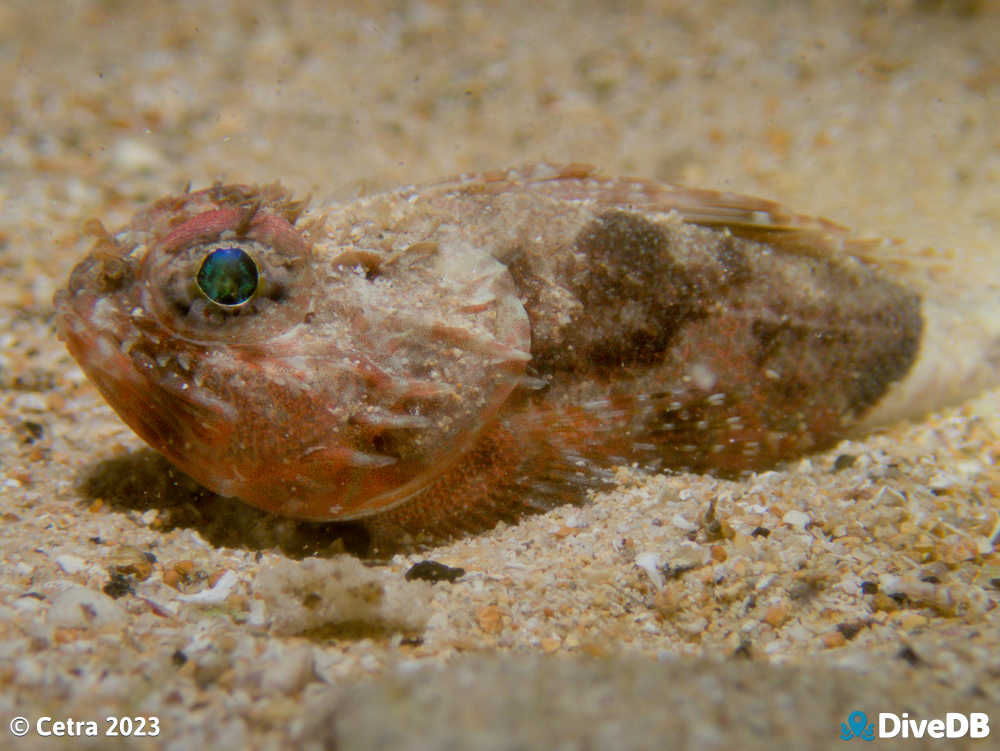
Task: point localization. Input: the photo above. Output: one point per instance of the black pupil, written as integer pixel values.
(228, 276)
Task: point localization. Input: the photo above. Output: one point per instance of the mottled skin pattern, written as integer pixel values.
(434, 359)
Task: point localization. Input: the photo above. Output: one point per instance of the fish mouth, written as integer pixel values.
(167, 416)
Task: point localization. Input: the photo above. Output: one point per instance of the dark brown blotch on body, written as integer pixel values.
(633, 298)
(634, 295)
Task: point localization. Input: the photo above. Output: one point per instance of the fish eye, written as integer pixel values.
(228, 276)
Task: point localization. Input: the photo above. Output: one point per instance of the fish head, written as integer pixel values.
(303, 377)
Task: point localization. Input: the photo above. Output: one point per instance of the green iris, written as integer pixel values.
(228, 276)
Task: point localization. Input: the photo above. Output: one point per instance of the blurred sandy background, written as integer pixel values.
(879, 115)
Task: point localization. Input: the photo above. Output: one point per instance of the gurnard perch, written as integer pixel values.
(436, 358)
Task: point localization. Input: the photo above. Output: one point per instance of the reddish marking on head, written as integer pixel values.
(265, 228)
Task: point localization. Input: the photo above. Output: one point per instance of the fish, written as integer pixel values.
(436, 358)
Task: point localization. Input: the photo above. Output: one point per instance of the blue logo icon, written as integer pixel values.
(859, 727)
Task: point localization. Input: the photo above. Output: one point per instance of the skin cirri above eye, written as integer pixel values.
(437, 358)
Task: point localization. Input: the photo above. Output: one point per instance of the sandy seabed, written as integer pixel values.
(865, 578)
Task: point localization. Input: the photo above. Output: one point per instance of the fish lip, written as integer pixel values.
(138, 397)
(74, 313)
(98, 353)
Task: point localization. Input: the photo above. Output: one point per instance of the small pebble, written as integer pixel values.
(650, 563)
(795, 518)
(215, 595)
(71, 564)
(433, 571)
(689, 555)
(80, 607)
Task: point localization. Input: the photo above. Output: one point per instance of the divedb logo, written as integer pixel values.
(952, 725)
